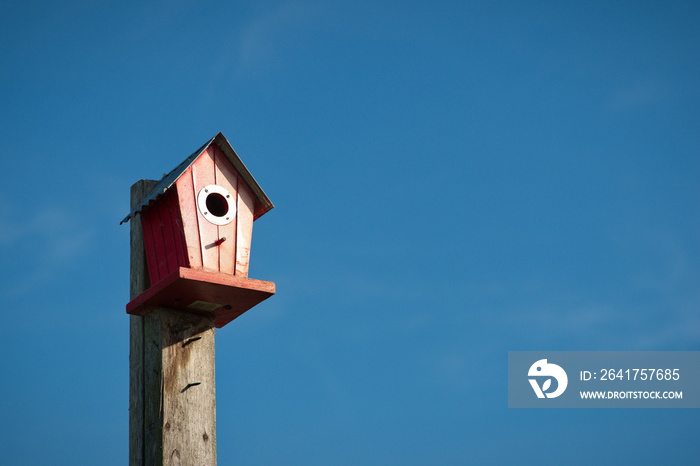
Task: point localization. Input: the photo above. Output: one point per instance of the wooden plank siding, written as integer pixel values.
(166, 228)
(190, 219)
(246, 204)
(227, 178)
(232, 255)
(165, 246)
(203, 174)
(177, 234)
(150, 244)
(178, 231)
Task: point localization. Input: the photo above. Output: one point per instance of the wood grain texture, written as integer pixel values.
(202, 175)
(246, 204)
(178, 230)
(138, 283)
(163, 236)
(262, 203)
(166, 228)
(189, 404)
(227, 178)
(223, 295)
(180, 394)
(172, 404)
(190, 223)
(147, 219)
(159, 243)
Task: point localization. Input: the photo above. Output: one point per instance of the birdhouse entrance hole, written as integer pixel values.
(215, 203)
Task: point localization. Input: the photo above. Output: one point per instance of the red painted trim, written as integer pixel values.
(183, 288)
(166, 228)
(161, 263)
(178, 231)
(190, 222)
(147, 220)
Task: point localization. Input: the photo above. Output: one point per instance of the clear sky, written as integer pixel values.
(452, 181)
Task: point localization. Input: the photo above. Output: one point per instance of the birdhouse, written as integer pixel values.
(197, 230)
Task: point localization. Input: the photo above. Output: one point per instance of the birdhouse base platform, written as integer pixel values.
(225, 296)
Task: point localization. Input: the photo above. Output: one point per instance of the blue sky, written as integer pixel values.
(452, 181)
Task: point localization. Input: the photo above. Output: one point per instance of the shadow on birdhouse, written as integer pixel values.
(197, 230)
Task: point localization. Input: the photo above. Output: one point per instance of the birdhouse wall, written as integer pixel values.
(203, 239)
(163, 237)
(177, 234)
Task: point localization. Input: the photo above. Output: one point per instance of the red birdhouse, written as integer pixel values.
(197, 230)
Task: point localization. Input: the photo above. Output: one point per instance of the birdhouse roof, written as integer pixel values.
(262, 203)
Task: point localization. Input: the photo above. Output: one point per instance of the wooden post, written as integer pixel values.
(172, 399)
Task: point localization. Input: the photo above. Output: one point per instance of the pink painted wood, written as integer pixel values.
(190, 219)
(177, 234)
(178, 230)
(246, 203)
(203, 174)
(163, 239)
(227, 178)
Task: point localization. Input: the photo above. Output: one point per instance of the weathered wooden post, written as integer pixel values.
(190, 244)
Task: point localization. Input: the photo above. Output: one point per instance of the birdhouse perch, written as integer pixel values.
(197, 230)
